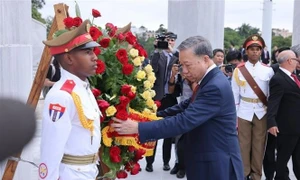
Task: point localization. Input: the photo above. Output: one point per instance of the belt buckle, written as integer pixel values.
(254, 100)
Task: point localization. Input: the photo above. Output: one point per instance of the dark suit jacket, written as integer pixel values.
(211, 145)
(264, 59)
(159, 63)
(283, 105)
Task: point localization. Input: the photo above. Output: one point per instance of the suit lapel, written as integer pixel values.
(288, 79)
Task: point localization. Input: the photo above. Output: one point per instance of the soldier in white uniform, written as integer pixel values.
(71, 117)
(251, 106)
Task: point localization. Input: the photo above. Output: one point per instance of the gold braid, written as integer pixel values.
(86, 123)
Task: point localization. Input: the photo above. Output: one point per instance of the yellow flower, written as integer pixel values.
(133, 89)
(154, 107)
(110, 111)
(148, 69)
(147, 84)
(146, 95)
(133, 52)
(146, 111)
(150, 103)
(151, 79)
(150, 73)
(140, 75)
(137, 61)
(142, 58)
(152, 92)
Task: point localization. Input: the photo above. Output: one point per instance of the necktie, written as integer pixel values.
(194, 93)
(296, 79)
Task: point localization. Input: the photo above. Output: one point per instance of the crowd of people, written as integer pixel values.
(230, 115)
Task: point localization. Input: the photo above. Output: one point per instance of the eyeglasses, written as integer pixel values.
(295, 59)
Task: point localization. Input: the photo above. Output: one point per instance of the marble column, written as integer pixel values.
(197, 17)
(267, 23)
(15, 48)
(15, 52)
(296, 23)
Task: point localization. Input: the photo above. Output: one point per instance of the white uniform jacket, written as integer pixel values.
(62, 132)
(261, 74)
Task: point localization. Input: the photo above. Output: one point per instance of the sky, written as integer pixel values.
(152, 13)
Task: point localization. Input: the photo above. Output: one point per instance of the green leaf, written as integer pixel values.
(77, 10)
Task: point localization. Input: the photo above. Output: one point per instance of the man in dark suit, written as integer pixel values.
(162, 61)
(265, 56)
(208, 118)
(283, 114)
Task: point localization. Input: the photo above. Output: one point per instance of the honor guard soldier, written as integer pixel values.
(71, 117)
(250, 87)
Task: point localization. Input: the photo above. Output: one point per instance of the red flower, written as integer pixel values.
(122, 115)
(131, 149)
(131, 95)
(100, 67)
(142, 51)
(120, 37)
(103, 105)
(158, 104)
(69, 22)
(114, 153)
(122, 56)
(112, 32)
(77, 21)
(96, 92)
(122, 174)
(97, 51)
(139, 154)
(125, 89)
(95, 33)
(104, 42)
(127, 69)
(135, 169)
(130, 38)
(128, 166)
(124, 100)
(109, 26)
(121, 107)
(96, 13)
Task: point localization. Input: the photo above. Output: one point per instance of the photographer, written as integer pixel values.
(162, 60)
(233, 58)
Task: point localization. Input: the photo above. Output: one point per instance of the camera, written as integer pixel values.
(161, 40)
(229, 68)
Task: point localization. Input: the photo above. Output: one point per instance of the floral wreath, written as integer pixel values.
(122, 87)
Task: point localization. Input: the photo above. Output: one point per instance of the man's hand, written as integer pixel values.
(274, 130)
(175, 69)
(125, 127)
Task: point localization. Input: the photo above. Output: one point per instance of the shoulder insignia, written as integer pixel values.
(43, 171)
(241, 65)
(56, 111)
(68, 86)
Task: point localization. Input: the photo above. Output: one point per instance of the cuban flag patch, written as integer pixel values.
(56, 111)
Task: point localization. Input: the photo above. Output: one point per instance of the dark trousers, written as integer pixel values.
(180, 152)
(167, 101)
(269, 162)
(287, 146)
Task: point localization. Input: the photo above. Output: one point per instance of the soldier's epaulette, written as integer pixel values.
(264, 64)
(241, 65)
(68, 86)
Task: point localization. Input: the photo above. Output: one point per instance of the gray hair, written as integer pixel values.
(199, 44)
(282, 59)
(296, 49)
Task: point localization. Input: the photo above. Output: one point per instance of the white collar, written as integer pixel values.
(207, 71)
(252, 65)
(287, 72)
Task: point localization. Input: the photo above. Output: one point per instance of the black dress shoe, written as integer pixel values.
(149, 168)
(174, 169)
(166, 167)
(180, 174)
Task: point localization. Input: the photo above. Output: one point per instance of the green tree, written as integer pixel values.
(280, 41)
(161, 29)
(232, 37)
(245, 30)
(36, 5)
